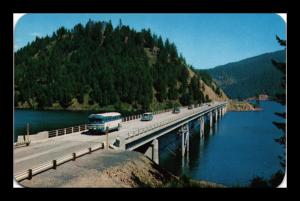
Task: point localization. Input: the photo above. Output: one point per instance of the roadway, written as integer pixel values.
(41, 151)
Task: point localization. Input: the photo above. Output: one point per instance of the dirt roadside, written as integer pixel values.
(111, 169)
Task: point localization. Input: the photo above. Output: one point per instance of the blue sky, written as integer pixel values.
(205, 40)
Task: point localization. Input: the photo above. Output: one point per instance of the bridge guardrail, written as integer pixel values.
(68, 130)
(83, 127)
(156, 125)
(29, 173)
(138, 116)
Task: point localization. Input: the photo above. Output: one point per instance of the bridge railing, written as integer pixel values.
(156, 125)
(159, 124)
(29, 173)
(138, 116)
(68, 130)
(83, 127)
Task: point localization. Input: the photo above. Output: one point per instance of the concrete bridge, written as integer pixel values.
(132, 135)
(149, 135)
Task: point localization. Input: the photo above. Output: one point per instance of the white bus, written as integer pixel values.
(101, 122)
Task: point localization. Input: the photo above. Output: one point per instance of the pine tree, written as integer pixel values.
(281, 98)
(108, 65)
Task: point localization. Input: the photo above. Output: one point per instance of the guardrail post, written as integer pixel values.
(56, 132)
(90, 150)
(106, 133)
(29, 174)
(54, 164)
(27, 134)
(74, 156)
(72, 129)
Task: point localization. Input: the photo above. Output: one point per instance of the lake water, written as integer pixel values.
(46, 120)
(240, 146)
(49, 119)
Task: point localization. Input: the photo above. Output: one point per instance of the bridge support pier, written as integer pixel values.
(185, 144)
(216, 116)
(201, 120)
(185, 139)
(153, 151)
(210, 119)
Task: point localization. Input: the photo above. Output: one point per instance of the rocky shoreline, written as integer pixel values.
(240, 106)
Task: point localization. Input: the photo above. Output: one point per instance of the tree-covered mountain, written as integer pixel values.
(95, 65)
(250, 77)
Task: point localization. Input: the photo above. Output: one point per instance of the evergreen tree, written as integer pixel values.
(108, 65)
(281, 98)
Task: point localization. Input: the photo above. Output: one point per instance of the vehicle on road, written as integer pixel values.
(148, 116)
(104, 121)
(176, 110)
(190, 107)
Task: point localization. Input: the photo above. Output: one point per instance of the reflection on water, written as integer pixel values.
(238, 147)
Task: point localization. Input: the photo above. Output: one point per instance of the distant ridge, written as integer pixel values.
(250, 77)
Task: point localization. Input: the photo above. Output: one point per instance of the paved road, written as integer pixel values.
(48, 149)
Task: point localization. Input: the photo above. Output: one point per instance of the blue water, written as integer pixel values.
(46, 120)
(240, 147)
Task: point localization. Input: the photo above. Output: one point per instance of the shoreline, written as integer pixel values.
(242, 106)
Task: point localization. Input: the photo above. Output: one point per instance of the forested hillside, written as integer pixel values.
(97, 65)
(250, 77)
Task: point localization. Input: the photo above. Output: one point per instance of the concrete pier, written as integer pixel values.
(210, 120)
(201, 121)
(153, 151)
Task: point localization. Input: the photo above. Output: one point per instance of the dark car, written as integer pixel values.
(176, 110)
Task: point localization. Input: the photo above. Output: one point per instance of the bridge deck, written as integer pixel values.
(48, 149)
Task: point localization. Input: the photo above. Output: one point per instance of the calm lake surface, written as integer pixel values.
(46, 120)
(240, 146)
